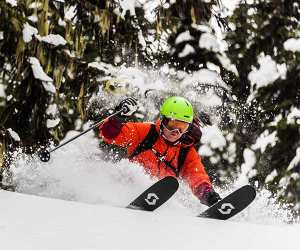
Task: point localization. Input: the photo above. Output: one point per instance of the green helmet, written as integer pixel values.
(178, 108)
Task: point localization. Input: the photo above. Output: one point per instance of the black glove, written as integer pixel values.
(211, 197)
(128, 105)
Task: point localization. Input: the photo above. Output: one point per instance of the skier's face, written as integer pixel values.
(174, 129)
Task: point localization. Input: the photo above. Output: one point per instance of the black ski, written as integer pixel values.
(231, 204)
(156, 195)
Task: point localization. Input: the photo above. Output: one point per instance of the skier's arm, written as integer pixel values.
(195, 175)
(114, 131)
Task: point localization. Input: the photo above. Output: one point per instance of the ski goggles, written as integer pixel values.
(175, 126)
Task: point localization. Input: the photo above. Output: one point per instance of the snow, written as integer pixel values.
(1, 35)
(12, 2)
(70, 12)
(247, 170)
(141, 38)
(33, 18)
(187, 50)
(106, 68)
(296, 160)
(209, 42)
(51, 123)
(14, 134)
(293, 116)
(127, 5)
(53, 39)
(184, 37)
(76, 172)
(212, 135)
(149, 8)
(205, 150)
(38, 71)
(28, 32)
(2, 90)
(271, 176)
(264, 140)
(204, 76)
(266, 74)
(292, 44)
(52, 109)
(50, 224)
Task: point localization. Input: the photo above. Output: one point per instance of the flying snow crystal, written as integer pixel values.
(28, 32)
(209, 42)
(39, 73)
(264, 140)
(14, 134)
(184, 37)
(188, 49)
(12, 2)
(53, 39)
(266, 74)
(292, 44)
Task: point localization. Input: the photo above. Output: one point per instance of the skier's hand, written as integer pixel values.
(211, 197)
(207, 195)
(128, 105)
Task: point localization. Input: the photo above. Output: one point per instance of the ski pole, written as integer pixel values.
(44, 154)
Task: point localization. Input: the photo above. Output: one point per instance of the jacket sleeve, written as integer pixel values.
(126, 135)
(194, 174)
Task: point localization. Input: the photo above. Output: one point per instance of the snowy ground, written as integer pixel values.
(34, 223)
(87, 210)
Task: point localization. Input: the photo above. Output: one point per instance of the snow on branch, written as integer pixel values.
(209, 42)
(267, 73)
(28, 32)
(292, 44)
(39, 74)
(264, 140)
(13, 3)
(14, 135)
(296, 160)
(52, 39)
(184, 37)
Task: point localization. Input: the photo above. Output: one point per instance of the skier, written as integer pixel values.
(166, 147)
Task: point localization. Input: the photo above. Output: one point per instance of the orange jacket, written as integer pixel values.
(131, 134)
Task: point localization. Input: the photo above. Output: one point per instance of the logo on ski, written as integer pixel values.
(152, 198)
(226, 208)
